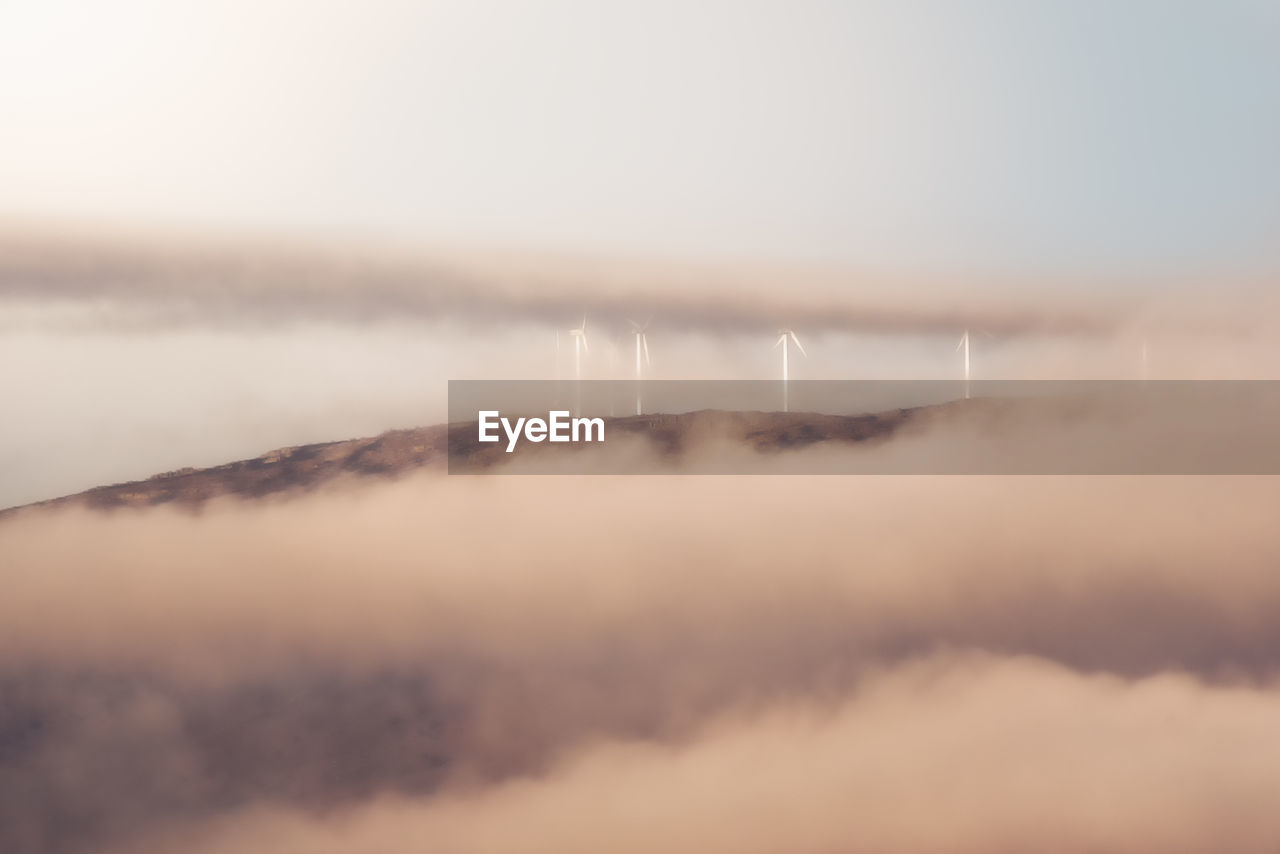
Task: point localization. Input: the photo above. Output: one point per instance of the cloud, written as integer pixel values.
(952, 753)
(585, 556)
(377, 659)
(148, 282)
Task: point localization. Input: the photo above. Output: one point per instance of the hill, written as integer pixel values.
(400, 452)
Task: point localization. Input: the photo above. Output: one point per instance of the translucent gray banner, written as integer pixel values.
(863, 427)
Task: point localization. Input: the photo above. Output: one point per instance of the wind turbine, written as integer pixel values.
(784, 337)
(964, 342)
(642, 346)
(579, 337)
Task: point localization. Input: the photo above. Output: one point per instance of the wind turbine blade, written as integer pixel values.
(797, 342)
(583, 327)
(781, 338)
(960, 343)
(644, 340)
(584, 342)
(635, 325)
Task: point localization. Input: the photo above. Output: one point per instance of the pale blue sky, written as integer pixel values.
(1057, 138)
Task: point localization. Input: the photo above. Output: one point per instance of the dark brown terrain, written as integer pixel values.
(399, 452)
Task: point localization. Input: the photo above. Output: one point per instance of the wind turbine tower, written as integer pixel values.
(786, 337)
(642, 347)
(579, 337)
(966, 341)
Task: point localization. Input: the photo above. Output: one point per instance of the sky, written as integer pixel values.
(1090, 139)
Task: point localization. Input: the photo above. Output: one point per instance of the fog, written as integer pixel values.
(953, 753)
(147, 280)
(682, 663)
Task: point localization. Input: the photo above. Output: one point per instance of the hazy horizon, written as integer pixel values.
(1074, 141)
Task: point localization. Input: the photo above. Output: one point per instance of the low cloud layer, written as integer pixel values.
(950, 754)
(685, 664)
(147, 283)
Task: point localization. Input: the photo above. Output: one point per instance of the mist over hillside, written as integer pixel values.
(614, 662)
(343, 646)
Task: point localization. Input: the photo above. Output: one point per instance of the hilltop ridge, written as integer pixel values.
(399, 452)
